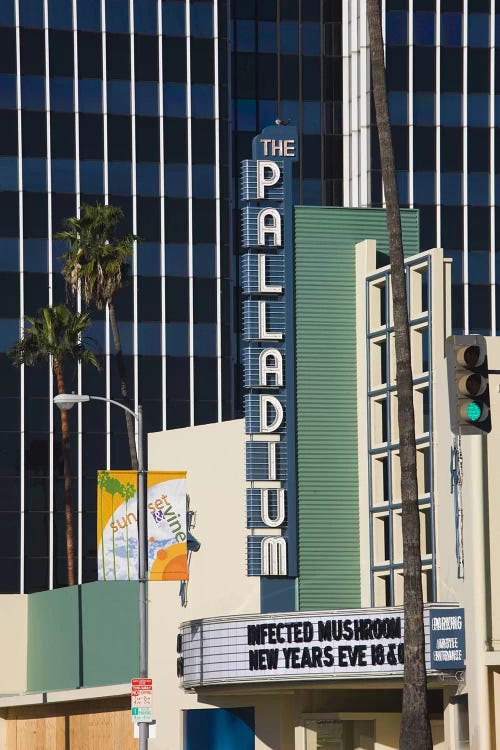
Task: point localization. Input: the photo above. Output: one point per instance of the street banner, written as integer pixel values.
(117, 540)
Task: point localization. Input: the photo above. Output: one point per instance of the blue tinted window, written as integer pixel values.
(89, 95)
(478, 189)
(202, 100)
(289, 37)
(204, 261)
(478, 30)
(205, 339)
(290, 111)
(35, 175)
(451, 188)
(311, 117)
(424, 187)
(127, 337)
(451, 29)
(119, 177)
(177, 339)
(201, 19)
(423, 108)
(35, 256)
(8, 92)
(7, 17)
(9, 333)
(176, 259)
(478, 109)
(117, 16)
(146, 98)
(402, 180)
(174, 18)
(267, 36)
(396, 27)
(245, 36)
(174, 99)
(33, 92)
(8, 173)
(31, 13)
(60, 14)
(149, 338)
(63, 176)
(176, 180)
(145, 16)
(311, 192)
(89, 14)
(9, 254)
(311, 39)
(61, 94)
(451, 109)
(246, 114)
(148, 179)
(398, 107)
(97, 334)
(91, 177)
(456, 266)
(58, 249)
(479, 268)
(267, 113)
(424, 28)
(148, 259)
(118, 97)
(203, 181)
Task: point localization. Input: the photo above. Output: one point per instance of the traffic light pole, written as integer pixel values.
(476, 633)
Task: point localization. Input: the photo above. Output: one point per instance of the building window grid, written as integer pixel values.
(386, 569)
(24, 584)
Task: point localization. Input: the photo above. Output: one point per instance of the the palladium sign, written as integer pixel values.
(265, 269)
(319, 645)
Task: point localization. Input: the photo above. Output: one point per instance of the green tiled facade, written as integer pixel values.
(327, 448)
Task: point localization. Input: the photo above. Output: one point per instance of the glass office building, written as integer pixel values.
(129, 102)
(442, 77)
(125, 103)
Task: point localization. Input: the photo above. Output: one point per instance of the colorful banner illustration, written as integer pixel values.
(117, 542)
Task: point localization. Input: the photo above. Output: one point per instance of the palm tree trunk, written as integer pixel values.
(68, 499)
(123, 384)
(415, 725)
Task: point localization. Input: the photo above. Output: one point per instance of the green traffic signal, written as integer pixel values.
(468, 390)
(474, 411)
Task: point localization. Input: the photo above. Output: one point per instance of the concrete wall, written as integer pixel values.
(214, 458)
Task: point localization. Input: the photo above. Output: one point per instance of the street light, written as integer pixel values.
(66, 401)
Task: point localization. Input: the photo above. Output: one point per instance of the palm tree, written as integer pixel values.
(96, 265)
(56, 336)
(415, 724)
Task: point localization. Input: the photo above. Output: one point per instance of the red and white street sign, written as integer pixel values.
(142, 699)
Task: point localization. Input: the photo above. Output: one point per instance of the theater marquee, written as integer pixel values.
(324, 645)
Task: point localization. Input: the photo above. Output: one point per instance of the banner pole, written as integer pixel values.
(141, 531)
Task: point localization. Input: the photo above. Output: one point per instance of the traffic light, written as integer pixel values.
(468, 390)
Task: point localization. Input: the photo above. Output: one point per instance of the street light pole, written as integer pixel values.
(143, 568)
(66, 401)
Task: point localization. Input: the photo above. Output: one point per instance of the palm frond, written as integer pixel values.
(96, 262)
(56, 332)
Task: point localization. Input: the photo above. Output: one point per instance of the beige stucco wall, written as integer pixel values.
(14, 637)
(14, 640)
(214, 458)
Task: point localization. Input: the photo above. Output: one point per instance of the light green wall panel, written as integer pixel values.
(327, 449)
(82, 636)
(53, 642)
(110, 632)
